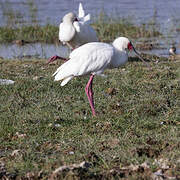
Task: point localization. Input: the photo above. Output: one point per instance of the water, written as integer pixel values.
(41, 50)
(18, 12)
(37, 50)
(53, 11)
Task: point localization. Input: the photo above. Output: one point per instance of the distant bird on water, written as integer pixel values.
(172, 50)
(20, 42)
(92, 59)
(173, 54)
(75, 31)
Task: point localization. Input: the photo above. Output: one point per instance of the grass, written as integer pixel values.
(110, 28)
(36, 33)
(107, 29)
(45, 126)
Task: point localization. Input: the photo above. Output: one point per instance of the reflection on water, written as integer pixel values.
(37, 50)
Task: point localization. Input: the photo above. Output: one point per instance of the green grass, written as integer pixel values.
(36, 33)
(109, 28)
(50, 126)
(106, 30)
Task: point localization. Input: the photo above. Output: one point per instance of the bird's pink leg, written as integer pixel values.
(89, 93)
(53, 58)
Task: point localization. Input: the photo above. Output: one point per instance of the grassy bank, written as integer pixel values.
(106, 29)
(45, 126)
(36, 33)
(109, 28)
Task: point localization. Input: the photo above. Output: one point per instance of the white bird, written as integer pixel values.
(75, 32)
(92, 59)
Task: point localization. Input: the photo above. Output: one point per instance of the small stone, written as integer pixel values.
(6, 81)
(71, 152)
(57, 125)
(20, 135)
(111, 91)
(50, 125)
(15, 152)
(37, 78)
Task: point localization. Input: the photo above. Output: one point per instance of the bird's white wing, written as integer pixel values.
(85, 33)
(81, 11)
(87, 19)
(81, 15)
(93, 57)
(66, 32)
(90, 58)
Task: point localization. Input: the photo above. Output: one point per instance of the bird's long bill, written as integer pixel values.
(139, 56)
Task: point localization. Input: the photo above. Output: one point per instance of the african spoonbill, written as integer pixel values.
(92, 59)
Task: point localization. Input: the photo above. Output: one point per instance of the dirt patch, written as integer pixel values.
(148, 151)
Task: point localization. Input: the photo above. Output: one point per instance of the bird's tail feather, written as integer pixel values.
(64, 73)
(66, 80)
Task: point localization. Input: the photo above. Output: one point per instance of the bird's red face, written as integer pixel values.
(130, 46)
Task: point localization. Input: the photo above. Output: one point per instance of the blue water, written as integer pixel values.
(53, 10)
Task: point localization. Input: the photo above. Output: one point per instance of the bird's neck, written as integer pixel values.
(118, 45)
(67, 22)
(119, 58)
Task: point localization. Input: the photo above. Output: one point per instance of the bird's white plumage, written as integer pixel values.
(81, 11)
(75, 33)
(81, 15)
(93, 58)
(172, 50)
(66, 29)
